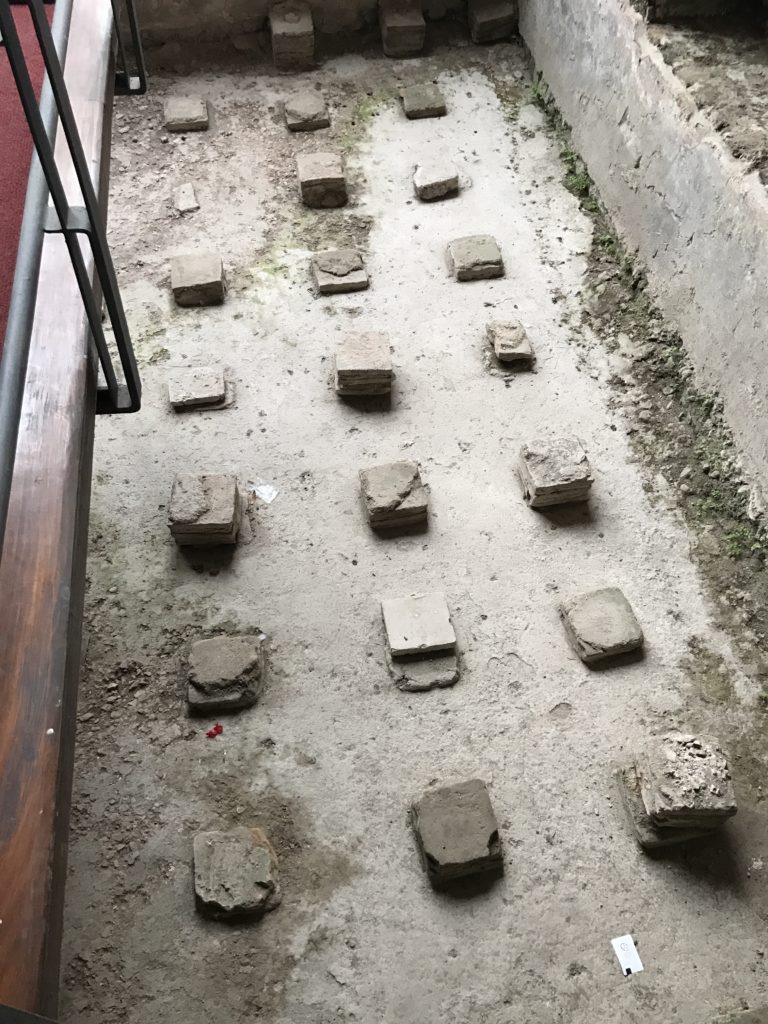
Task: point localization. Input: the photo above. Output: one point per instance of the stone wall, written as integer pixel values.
(666, 10)
(670, 10)
(696, 217)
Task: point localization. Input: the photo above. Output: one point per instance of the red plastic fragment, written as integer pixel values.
(217, 730)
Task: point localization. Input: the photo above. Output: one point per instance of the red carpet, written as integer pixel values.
(15, 156)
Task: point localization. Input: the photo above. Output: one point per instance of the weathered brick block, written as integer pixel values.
(403, 28)
(306, 112)
(475, 257)
(418, 625)
(394, 496)
(510, 342)
(185, 114)
(293, 36)
(185, 199)
(457, 833)
(435, 179)
(601, 624)
(198, 280)
(554, 471)
(235, 873)
(338, 270)
(190, 386)
(363, 364)
(421, 101)
(322, 181)
(491, 20)
(226, 673)
(204, 510)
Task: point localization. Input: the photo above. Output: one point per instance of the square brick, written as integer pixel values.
(417, 675)
(475, 257)
(322, 182)
(198, 280)
(338, 270)
(204, 510)
(364, 364)
(601, 624)
(185, 114)
(555, 471)
(293, 36)
(403, 28)
(491, 20)
(190, 386)
(394, 495)
(185, 199)
(648, 835)
(423, 101)
(418, 625)
(235, 874)
(226, 673)
(306, 112)
(457, 833)
(685, 782)
(435, 179)
(510, 342)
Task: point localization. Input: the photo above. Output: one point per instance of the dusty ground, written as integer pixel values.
(329, 760)
(724, 65)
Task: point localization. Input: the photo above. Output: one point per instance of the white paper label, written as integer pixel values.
(624, 948)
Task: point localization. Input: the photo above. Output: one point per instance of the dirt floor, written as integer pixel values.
(330, 759)
(724, 64)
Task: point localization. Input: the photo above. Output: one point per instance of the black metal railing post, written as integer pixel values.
(127, 84)
(73, 221)
(70, 221)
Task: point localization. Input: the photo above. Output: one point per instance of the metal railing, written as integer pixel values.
(113, 396)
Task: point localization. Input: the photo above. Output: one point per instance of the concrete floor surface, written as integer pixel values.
(331, 757)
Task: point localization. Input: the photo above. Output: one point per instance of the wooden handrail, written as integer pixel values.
(43, 571)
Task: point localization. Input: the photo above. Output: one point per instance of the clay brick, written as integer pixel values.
(676, 789)
(363, 364)
(421, 101)
(293, 36)
(510, 342)
(475, 257)
(235, 873)
(338, 270)
(190, 386)
(204, 510)
(416, 675)
(226, 673)
(185, 199)
(491, 20)
(457, 833)
(322, 182)
(306, 112)
(403, 28)
(418, 625)
(435, 179)
(198, 280)
(185, 114)
(394, 495)
(601, 624)
(648, 835)
(685, 781)
(554, 471)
